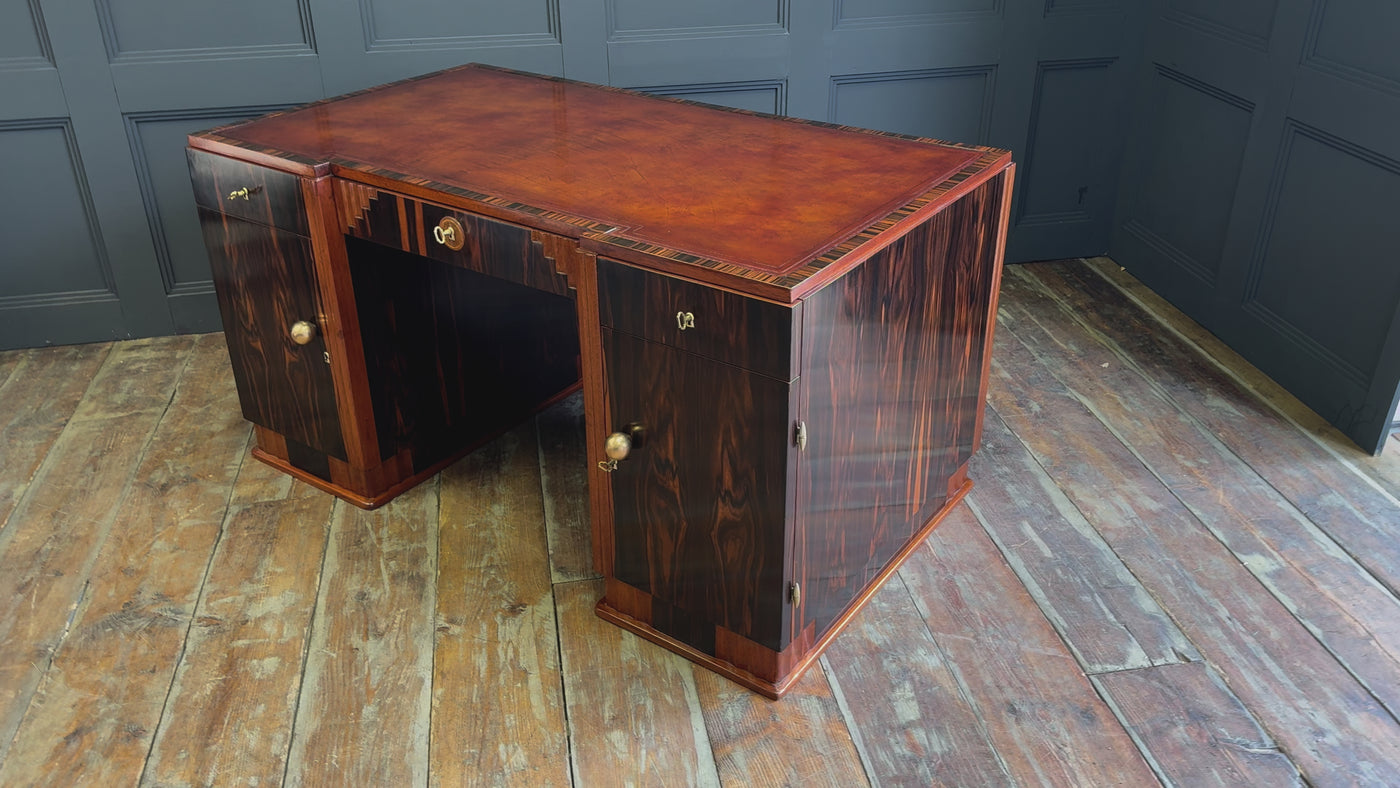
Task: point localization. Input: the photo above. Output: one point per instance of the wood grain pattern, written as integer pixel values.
(564, 478)
(746, 332)
(1207, 349)
(229, 715)
(38, 394)
(498, 705)
(902, 694)
(362, 716)
(1297, 561)
(1306, 473)
(454, 357)
(1267, 657)
(1194, 729)
(707, 559)
(801, 740)
(1106, 616)
(635, 717)
(265, 283)
(48, 548)
(611, 177)
(102, 697)
(893, 356)
(615, 160)
(1027, 689)
(272, 198)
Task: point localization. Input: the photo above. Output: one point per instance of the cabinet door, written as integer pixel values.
(701, 504)
(265, 283)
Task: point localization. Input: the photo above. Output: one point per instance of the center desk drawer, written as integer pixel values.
(247, 191)
(465, 240)
(717, 324)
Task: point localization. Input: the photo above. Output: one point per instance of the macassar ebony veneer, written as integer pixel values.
(781, 328)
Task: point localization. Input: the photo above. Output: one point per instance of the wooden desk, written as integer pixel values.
(783, 325)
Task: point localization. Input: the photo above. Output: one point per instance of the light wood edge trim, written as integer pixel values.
(987, 344)
(340, 324)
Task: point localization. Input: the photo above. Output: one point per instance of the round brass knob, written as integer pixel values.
(618, 445)
(303, 331)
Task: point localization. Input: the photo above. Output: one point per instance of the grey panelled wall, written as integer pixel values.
(1255, 190)
(1260, 191)
(98, 235)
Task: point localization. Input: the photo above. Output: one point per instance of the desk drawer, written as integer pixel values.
(464, 240)
(247, 191)
(728, 327)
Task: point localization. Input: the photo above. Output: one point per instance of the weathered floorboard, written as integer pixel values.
(1162, 524)
(1268, 658)
(101, 700)
(916, 725)
(498, 706)
(228, 720)
(564, 476)
(800, 740)
(1104, 614)
(634, 715)
(39, 390)
(1194, 729)
(1207, 349)
(1360, 517)
(1043, 719)
(1352, 614)
(363, 714)
(48, 549)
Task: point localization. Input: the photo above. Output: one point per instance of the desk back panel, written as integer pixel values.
(454, 357)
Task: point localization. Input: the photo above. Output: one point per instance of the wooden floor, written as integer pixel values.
(1168, 571)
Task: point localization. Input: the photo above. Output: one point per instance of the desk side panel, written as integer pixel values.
(893, 355)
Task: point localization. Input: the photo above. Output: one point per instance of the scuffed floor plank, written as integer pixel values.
(1045, 722)
(564, 477)
(915, 724)
(48, 548)
(228, 720)
(1105, 615)
(101, 700)
(363, 715)
(1360, 517)
(1194, 729)
(39, 390)
(800, 740)
(1268, 658)
(1205, 348)
(1296, 560)
(498, 706)
(634, 716)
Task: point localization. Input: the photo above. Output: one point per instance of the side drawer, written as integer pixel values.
(247, 191)
(717, 324)
(464, 240)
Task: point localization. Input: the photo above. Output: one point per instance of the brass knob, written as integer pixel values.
(618, 445)
(449, 233)
(303, 331)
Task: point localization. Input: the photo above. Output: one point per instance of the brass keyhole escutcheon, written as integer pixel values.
(303, 331)
(449, 233)
(685, 320)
